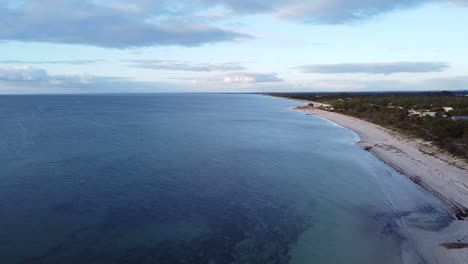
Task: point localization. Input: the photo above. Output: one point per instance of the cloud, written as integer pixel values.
(232, 82)
(344, 85)
(22, 74)
(460, 2)
(375, 68)
(341, 11)
(29, 80)
(69, 62)
(34, 80)
(251, 78)
(447, 83)
(115, 23)
(27, 74)
(185, 66)
(240, 78)
(236, 82)
(328, 11)
(350, 85)
(430, 84)
(123, 24)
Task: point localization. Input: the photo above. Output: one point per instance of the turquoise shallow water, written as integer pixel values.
(195, 179)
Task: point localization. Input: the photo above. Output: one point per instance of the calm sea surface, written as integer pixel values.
(195, 179)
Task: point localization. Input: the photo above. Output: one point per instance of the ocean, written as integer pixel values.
(196, 178)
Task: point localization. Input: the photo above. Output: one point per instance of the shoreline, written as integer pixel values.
(442, 175)
(433, 169)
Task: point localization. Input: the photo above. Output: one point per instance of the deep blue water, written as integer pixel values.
(195, 179)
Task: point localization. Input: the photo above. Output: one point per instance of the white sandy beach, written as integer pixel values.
(439, 173)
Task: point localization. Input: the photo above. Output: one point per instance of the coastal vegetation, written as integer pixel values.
(440, 117)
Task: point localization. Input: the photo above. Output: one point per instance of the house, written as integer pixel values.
(447, 108)
(433, 114)
(412, 112)
(421, 113)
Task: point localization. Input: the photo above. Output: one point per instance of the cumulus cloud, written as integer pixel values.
(185, 66)
(375, 68)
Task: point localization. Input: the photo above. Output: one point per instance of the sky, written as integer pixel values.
(117, 46)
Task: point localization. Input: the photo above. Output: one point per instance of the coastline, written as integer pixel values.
(439, 173)
(435, 171)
